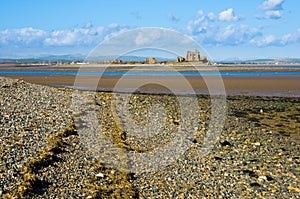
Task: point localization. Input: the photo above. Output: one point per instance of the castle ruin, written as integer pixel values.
(193, 56)
(150, 60)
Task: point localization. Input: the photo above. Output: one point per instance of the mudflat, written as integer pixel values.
(260, 86)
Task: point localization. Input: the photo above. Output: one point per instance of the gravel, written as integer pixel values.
(256, 155)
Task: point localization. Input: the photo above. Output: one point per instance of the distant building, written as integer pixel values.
(180, 59)
(117, 61)
(203, 59)
(150, 60)
(193, 56)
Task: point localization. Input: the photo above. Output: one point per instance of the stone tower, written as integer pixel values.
(193, 56)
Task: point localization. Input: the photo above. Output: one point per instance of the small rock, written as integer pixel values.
(249, 172)
(100, 175)
(254, 184)
(217, 158)
(262, 178)
(269, 178)
(225, 143)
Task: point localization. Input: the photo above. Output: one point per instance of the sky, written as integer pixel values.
(226, 29)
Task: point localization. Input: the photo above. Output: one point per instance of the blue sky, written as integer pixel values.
(226, 29)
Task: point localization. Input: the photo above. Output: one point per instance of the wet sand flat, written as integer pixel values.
(283, 85)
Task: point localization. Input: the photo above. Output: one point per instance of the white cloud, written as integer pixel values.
(236, 34)
(273, 14)
(271, 40)
(37, 41)
(61, 38)
(200, 17)
(113, 30)
(291, 38)
(273, 9)
(228, 15)
(143, 38)
(200, 23)
(272, 5)
(146, 39)
(22, 36)
(195, 29)
(211, 32)
(265, 41)
(87, 35)
(211, 16)
(205, 28)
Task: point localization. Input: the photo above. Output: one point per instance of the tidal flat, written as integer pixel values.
(43, 153)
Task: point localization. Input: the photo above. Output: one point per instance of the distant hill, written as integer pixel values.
(45, 58)
(82, 58)
(126, 58)
(262, 61)
(291, 60)
(285, 60)
(79, 58)
(63, 58)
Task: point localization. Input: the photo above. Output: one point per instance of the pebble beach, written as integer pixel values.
(257, 154)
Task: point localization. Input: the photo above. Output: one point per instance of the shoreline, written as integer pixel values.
(184, 64)
(156, 67)
(252, 85)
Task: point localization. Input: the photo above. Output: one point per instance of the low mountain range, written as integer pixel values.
(82, 58)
